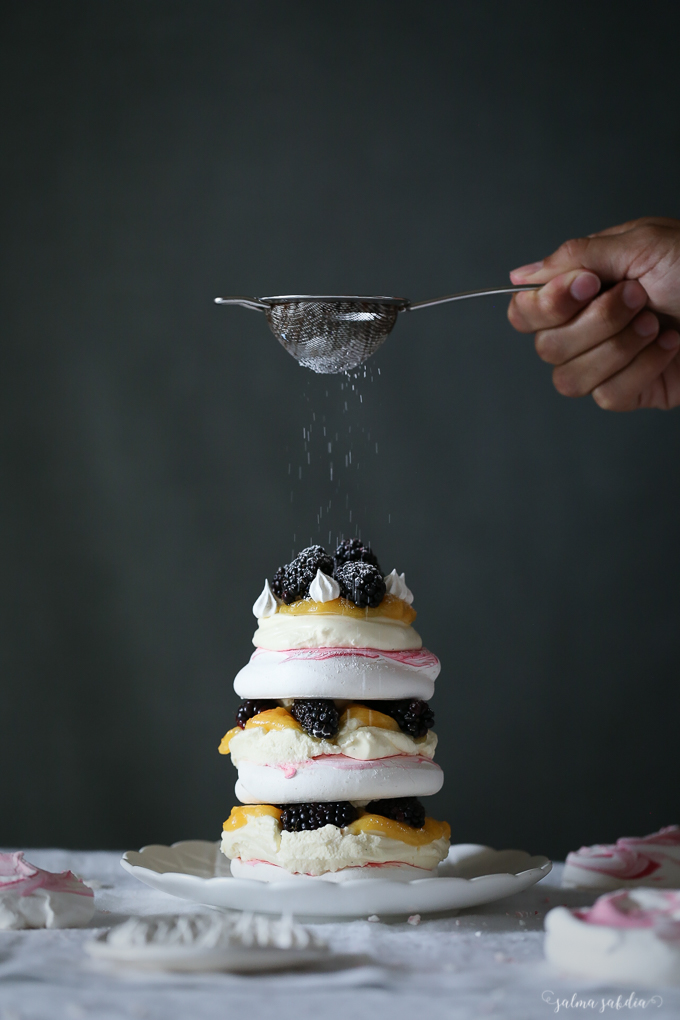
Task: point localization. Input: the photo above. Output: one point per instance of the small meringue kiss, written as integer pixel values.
(395, 584)
(324, 588)
(267, 603)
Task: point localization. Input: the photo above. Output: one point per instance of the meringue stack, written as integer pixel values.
(333, 743)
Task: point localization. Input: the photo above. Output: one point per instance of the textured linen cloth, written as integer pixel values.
(484, 962)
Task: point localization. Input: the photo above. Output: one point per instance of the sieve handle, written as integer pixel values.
(245, 302)
(469, 294)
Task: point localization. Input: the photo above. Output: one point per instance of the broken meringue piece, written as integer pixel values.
(33, 898)
(204, 942)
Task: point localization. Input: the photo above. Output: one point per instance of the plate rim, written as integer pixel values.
(539, 867)
(128, 865)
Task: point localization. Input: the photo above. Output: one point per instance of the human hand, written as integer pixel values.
(621, 345)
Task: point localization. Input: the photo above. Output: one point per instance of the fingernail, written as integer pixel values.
(633, 294)
(646, 324)
(670, 340)
(584, 287)
(529, 270)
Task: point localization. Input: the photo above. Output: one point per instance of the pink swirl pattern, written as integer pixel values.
(416, 658)
(669, 836)
(622, 910)
(342, 761)
(21, 878)
(654, 859)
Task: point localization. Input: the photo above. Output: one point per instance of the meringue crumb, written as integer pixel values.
(414, 919)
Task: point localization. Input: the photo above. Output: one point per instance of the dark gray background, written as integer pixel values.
(157, 154)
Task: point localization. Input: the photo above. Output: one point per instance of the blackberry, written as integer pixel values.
(362, 583)
(354, 551)
(279, 581)
(407, 810)
(414, 717)
(291, 581)
(248, 708)
(296, 817)
(317, 716)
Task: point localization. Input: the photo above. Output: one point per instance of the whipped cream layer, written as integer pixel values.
(261, 872)
(33, 898)
(332, 630)
(293, 745)
(352, 674)
(631, 937)
(648, 860)
(328, 849)
(335, 777)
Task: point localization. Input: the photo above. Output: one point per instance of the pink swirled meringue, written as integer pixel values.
(336, 777)
(349, 673)
(33, 898)
(632, 861)
(653, 908)
(630, 936)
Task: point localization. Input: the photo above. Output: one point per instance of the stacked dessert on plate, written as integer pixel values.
(334, 742)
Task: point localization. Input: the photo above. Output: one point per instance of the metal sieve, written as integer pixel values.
(336, 334)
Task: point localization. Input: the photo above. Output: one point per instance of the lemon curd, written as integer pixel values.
(241, 815)
(272, 719)
(378, 825)
(368, 717)
(391, 608)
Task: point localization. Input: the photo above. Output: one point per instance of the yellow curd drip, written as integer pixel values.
(380, 826)
(391, 608)
(272, 719)
(368, 717)
(227, 739)
(241, 815)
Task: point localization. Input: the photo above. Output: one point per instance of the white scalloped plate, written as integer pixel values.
(471, 875)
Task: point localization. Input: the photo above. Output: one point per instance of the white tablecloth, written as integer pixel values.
(486, 962)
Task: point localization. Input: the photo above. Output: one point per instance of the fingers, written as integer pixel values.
(664, 392)
(607, 254)
(603, 255)
(603, 318)
(643, 221)
(589, 370)
(554, 304)
(607, 343)
(641, 383)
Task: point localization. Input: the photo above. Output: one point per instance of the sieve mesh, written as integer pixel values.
(331, 336)
(337, 334)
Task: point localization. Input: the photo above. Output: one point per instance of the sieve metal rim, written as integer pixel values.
(282, 299)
